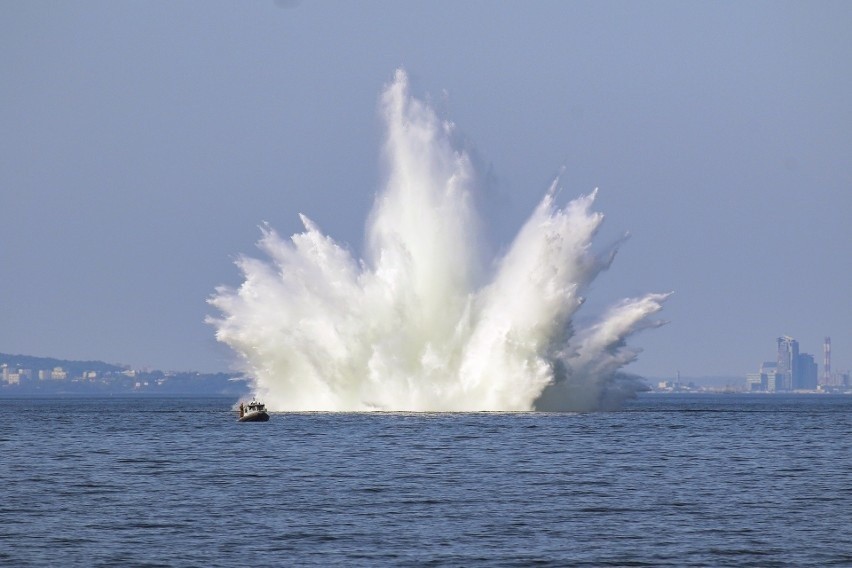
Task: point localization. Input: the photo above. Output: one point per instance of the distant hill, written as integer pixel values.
(96, 378)
(73, 368)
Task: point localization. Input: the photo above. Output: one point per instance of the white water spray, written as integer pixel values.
(411, 327)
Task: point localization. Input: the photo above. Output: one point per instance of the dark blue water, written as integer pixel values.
(673, 480)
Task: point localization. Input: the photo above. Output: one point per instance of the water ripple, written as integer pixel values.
(657, 485)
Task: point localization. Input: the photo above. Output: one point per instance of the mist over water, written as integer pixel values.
(422, 322)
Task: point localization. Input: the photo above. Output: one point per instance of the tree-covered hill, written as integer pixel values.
(74, 368)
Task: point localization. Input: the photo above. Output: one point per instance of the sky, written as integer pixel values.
(143, 143)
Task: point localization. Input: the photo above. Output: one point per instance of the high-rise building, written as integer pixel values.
(788, 362)
(826, 363)
(806, 373)
(795, 371)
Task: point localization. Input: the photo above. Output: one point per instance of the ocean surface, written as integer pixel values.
(671, 480)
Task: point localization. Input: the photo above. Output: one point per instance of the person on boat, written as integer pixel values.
(242, 410)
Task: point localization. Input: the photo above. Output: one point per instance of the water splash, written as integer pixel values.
(413, 326)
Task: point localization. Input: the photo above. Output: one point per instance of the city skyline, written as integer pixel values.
(794, 370)
(770, 377)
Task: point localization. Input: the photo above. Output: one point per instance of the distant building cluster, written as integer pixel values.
(16, 375)
(42, 376)
(794, 371)
(677, 385)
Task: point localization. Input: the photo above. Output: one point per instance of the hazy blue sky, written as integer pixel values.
(141, 144)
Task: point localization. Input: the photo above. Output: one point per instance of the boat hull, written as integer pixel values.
(255, 417)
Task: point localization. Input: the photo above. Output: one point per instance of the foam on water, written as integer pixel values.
(415, 325)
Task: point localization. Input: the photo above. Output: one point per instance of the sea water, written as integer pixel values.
(671, 480)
